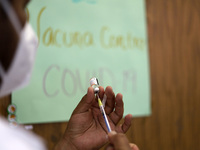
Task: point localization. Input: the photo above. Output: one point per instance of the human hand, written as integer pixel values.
(118, 141)
(86, 128)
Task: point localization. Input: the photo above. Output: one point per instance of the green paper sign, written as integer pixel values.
(78, 40)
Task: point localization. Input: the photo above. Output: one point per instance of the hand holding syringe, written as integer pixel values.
(94, 83)
(86, 128)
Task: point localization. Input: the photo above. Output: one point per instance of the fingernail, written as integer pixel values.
(133, 146)
(113, 133)
(131, 116)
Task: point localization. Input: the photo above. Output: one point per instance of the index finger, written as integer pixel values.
(85, 103)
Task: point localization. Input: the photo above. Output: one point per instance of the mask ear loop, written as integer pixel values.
(11, 15)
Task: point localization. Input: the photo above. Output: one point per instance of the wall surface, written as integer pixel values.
(174, 50)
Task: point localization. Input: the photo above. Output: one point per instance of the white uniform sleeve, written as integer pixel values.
(18, 138)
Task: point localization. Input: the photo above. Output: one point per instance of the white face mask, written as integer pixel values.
(19, 73)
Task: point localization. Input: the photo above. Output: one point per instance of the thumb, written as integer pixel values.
(119, 141)
(85, 103)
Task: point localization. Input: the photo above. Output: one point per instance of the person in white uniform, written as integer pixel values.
(86, 128)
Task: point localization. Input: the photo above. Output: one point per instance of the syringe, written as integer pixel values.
(94, 83)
